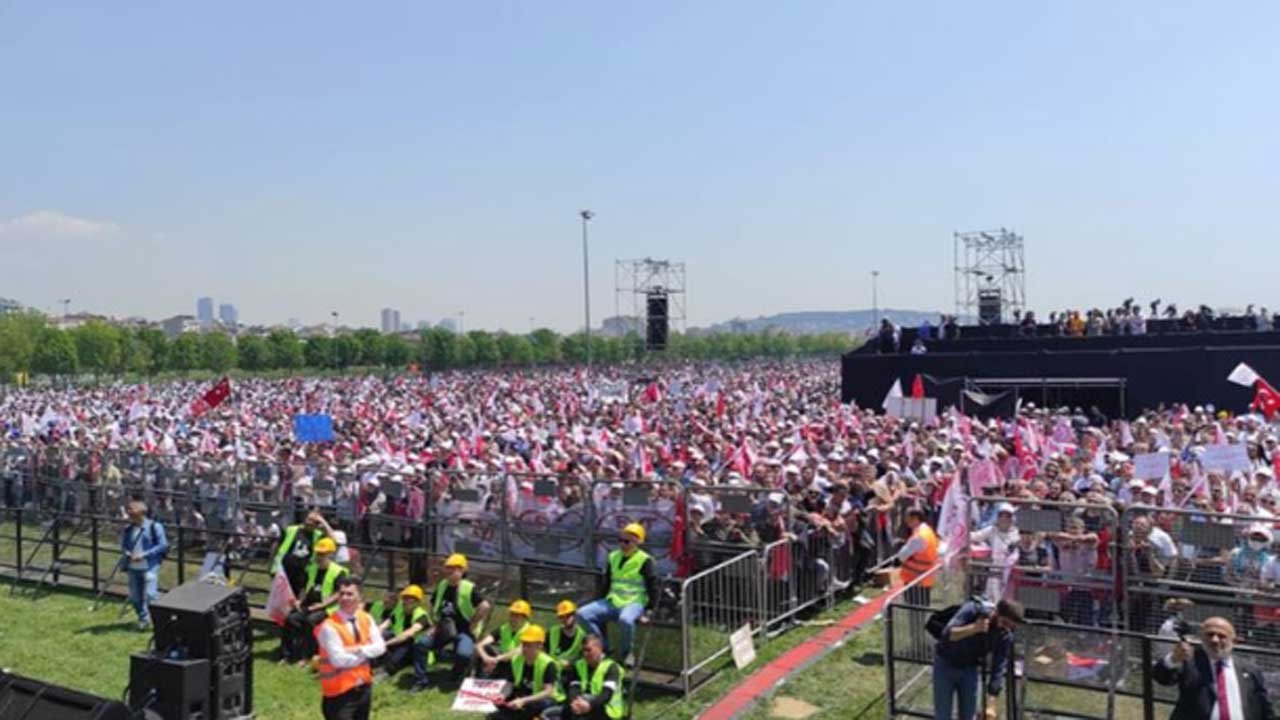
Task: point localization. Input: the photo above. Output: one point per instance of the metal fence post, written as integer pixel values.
(18, 541)
(1148, 687)
(890, 680)
(93, 544)
(182, 553)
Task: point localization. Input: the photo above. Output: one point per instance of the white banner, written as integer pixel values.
(1150, 466)
(1226, 458)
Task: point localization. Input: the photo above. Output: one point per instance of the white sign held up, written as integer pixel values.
(1150, 466)
(1226, 458)
(479, 696)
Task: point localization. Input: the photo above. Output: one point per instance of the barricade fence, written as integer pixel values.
(1107, 595)
(540, 537)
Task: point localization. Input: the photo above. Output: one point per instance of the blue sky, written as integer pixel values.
(296, 159)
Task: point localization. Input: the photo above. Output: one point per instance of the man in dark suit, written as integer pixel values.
(1211, 684)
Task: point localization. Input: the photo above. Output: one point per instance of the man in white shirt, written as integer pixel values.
(348, 640)
(1211, 684)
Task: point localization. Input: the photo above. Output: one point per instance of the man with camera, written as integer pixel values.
(976, 630)
(1211, 684)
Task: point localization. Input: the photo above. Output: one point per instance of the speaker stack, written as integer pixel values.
(657, 321)
(202, 668)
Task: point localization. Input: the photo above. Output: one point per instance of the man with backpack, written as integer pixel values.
(966, 634)
(144, 545)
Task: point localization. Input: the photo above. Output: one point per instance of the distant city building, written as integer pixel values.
(179, 324)
(618, 325)
(293, 324)
(228, 316)
(390, 320)
(204, 312)
(75, 320)
(424, 324)
(448, 324)
(9, 306)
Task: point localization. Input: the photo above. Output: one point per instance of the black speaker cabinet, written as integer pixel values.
(172, 689)
(202, 620)
(657, 320)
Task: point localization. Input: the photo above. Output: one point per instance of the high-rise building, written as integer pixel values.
(390, 320)
(424, 324)
(448, 324)
(228, 316)
(204, 312)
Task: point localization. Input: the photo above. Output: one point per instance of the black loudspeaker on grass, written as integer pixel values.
(23, 698)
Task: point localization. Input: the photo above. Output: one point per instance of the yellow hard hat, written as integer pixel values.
(457, 560)
(326, 546)
(520, 607)
(533, 634)
(412, 591)
(566, 607)
(635, 529)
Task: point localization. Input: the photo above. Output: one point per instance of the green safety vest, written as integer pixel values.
(398, 624)
(464, 602)
(509, 639)
(594, 684)
(571, 653)
(539, 670)
(286, 546)
(331, 576)
(626, 583)
(378, 611)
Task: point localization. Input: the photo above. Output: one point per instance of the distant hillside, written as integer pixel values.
(822, 321)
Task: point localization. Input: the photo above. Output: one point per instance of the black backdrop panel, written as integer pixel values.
(1153, 376)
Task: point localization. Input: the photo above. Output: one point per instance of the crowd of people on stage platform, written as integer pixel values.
(838, 482)
(1128, 318)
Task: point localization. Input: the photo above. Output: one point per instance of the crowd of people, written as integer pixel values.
(566, 449)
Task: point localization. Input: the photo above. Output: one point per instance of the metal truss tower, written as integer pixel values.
(635, 281)
(991, 275)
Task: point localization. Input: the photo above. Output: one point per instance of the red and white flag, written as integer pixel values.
(1265, 398)
(212, 399)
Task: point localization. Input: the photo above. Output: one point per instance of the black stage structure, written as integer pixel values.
(1119, 375)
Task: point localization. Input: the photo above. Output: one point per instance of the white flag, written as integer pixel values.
(894, 392)
(281, 599)
(1243, 375)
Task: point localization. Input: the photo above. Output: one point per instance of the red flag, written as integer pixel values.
(212, 399)
(917, 388)
(720, 404)
(653, 393)
(1265, 399)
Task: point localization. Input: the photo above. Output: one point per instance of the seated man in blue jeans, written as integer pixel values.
(976, 630)
(633, 587)
(144, 546)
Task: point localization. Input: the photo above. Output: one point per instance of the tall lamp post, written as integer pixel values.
(586, 281)
(875, 303)
(66, 307)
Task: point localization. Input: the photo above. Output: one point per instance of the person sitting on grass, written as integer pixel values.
(534, 676)
(565, 640)
(504, 642)
(318, 600)
(404, 623)
(594, 687)
(458, 611)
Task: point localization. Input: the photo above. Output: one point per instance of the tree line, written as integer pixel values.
(29, 345)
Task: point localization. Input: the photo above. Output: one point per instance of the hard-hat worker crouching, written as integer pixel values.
(318, 599)
(504, 642)
(534, 676)
(564, 641)
(402, 624)
(458, 611)
(633, 588)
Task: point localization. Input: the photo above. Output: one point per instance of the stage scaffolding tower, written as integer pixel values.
(991, 276)
(636, 281)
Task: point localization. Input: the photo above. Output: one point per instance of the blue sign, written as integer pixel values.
(313, 428)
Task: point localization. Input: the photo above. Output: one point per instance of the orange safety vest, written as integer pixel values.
(337, 681)
(920, 563)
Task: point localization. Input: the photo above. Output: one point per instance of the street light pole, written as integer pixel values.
(461, 313)
(66, 307)
(875, 303)
(586, 282)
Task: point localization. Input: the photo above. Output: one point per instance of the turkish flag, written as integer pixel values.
(212, 399)
(1265, 399)
(720, 404)
(917, 387)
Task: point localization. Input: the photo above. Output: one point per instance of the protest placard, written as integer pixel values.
(744, 646)
(1226, 458)
(1150, 466)
(479, 696)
